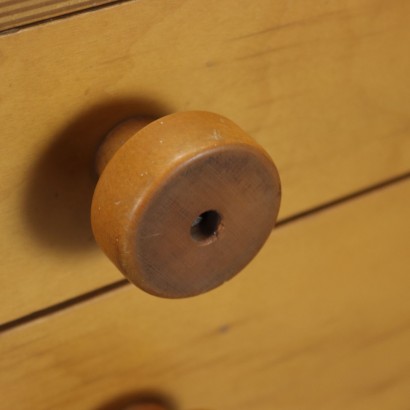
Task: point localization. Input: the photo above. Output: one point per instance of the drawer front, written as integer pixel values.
(323, 88)
(319, 321)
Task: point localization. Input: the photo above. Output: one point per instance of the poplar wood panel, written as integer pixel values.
(322, 86)
(17, 13)
(321, 320)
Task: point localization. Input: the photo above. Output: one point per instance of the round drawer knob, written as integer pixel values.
(184, 202)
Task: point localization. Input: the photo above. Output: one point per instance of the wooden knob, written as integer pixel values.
(184, 202)
(145, 406)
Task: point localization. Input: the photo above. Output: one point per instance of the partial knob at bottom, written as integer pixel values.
(183, 203)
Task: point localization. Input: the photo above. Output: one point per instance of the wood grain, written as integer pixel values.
(323, 88)
(18, 13)
(321, 320)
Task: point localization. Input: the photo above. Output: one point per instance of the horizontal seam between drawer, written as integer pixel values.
(58, 307)
(343, 199)
(17, 25)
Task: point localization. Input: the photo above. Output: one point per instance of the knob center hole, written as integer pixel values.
(205, 227)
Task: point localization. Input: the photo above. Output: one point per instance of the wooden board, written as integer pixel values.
(323, 88)
(321, 320)
(19, 13)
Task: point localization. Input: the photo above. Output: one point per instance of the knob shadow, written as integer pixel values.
(61, 181)
(149, 398)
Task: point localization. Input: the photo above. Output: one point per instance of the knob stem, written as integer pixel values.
(116, 138)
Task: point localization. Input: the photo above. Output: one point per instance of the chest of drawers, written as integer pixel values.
(319, 319)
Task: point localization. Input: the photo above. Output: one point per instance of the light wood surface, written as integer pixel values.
(321, 320)
(323, 87)
(18, 13)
